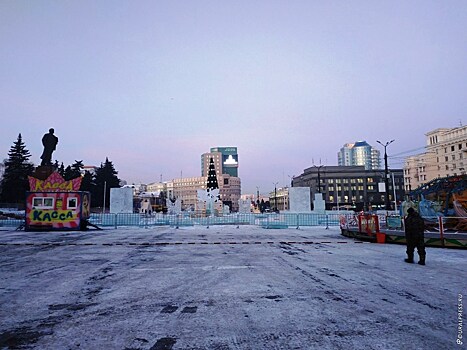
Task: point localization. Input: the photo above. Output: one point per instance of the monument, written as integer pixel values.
(49, 141)
(53, 203)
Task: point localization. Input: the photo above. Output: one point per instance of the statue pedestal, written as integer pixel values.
(42, 172)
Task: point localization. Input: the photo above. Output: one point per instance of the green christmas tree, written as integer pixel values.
(105, 178)
(15, 182)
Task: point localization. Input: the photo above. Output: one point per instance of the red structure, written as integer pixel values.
(56, 204)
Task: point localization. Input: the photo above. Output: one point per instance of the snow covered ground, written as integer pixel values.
(223, 288)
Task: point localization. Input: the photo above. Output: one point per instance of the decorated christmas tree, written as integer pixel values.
(212, 189)
(212, 178)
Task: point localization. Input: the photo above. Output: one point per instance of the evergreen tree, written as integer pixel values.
(87, 183)
(106, 176)
(67, 174)
(17, 169)
(73, 171)
(61, 170)
(77, 167)
(212, 178)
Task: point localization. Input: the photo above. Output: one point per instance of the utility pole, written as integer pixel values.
(386, 174)
(275, 196)
(319, 177)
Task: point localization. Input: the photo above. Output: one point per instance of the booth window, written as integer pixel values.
(72, 203)
(43, 202)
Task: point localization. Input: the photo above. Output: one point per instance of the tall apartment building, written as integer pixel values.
(225, 161)
(359, 153)
(446, 155)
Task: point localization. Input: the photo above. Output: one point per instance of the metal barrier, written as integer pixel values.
(269, 220)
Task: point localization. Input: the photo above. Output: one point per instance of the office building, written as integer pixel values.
(225, 161)
(351, 187)
(359, 153)
(445, 155)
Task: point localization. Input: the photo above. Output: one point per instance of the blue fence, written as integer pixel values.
(270, 220)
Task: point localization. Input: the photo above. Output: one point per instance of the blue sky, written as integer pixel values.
(154, 84)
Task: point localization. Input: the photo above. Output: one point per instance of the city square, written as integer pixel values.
(224, 287)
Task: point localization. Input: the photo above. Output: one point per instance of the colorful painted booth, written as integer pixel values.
(56, 204)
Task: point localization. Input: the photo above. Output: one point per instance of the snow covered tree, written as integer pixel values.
(15, 182)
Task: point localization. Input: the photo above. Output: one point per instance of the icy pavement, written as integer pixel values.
(224, 288)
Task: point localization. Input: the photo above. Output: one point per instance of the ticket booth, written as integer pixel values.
(56, 204)
(57, 210)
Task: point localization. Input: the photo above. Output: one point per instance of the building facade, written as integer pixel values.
(352, 187)
(186, 189)
(359, 153)
(225, 161)
(446, 155)
(279, 198)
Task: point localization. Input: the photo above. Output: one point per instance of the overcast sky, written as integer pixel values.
(154, 84)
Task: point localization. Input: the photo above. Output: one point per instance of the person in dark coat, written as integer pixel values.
(49, 141)
(414, 235)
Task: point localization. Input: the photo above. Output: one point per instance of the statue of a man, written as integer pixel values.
(49, 141)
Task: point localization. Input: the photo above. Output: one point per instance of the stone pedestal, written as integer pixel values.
(42, 172)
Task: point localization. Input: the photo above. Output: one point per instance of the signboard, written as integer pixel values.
(54, 183)
(230, 160)
(394, 221)
(381, 187)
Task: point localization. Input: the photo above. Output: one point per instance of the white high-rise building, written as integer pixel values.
(359, 153)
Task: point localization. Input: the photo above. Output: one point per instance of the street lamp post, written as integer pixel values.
(275, 196)
(319, 177)
(386, 173)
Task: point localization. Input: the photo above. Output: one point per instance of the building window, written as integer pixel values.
(72, 203)
(43, 202)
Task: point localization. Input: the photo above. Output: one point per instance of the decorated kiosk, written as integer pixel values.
(54, 203)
